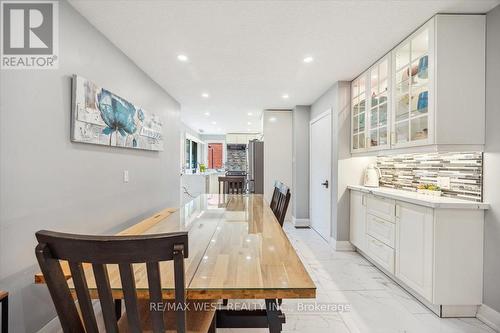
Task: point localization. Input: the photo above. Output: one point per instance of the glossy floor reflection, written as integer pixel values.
(377, 305)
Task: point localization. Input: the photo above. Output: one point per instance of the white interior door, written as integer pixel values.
(320, 171)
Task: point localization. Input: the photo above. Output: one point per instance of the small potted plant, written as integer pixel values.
(429, 189)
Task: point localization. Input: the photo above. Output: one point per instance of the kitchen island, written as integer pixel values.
(194, 184)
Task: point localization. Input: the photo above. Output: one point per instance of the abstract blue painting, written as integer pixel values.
(103, 118)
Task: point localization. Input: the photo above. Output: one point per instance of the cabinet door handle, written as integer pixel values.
(363, 200)
(396, 210)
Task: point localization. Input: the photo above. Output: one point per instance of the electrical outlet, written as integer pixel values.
(443, 182)
(125, 176)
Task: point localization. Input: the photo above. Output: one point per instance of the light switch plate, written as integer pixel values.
(443, 182)
(125, 176)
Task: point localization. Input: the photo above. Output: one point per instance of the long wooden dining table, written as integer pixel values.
(237, 250)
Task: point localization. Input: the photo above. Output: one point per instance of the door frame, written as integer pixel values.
(224, 150)
(328, 112)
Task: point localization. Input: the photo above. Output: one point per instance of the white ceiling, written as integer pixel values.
(247, 54)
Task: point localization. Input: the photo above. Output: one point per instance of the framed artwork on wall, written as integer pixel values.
(100, 117)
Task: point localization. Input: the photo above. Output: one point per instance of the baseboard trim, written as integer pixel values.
(343, 246)
(489, 316)
(300, 223)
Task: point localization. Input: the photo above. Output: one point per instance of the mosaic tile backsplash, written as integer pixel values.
(407, 171)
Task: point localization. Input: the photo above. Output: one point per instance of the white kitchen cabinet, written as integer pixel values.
(435, 253)
(358, 113)
(381, 229)
(358, 219)
(382, 207)
(380, 253)
(240, 138)
(434, 91)
(414, 247)
(379, 105)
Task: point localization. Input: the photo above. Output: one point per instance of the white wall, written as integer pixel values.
(346, 169)
(48, 182)
(492, 163)
(300, 162)
(277, 151)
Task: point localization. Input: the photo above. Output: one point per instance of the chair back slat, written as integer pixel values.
(282, 203)
(179, 282)
(101, 251)
(84, 302)
(130, 295)
(105, 297)
(231, 185)
(59, 290)
(274, 200)
(155, 295)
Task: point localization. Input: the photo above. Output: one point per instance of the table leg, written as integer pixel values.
(274, 316)
(5, 315)
(118, 308)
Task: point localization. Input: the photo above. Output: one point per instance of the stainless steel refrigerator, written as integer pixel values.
(255, 166)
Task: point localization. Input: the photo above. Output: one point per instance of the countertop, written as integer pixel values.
(206, 173)
(420, 199)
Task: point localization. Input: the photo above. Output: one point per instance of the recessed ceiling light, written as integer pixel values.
(285, 96)
(308, 59)
(248, 130)
(249, 123)
(250, 113)
(214, 123)
(205, 95)
(207, 114)
(272, 119)
(182, 57)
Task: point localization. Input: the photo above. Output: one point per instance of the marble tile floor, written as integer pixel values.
(377, 304)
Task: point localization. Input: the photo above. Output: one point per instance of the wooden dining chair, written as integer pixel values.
(123, 251)
(231, 184)
(282, 203)
(276, 193)
(4, 300)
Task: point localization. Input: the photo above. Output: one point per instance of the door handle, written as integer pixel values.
(325, 184)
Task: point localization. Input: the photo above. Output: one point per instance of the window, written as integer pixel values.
(191, 155)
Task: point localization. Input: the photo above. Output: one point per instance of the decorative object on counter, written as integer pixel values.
(103, 118)
(372, 176)
(463, 170)
(203, 167)
(429, 189)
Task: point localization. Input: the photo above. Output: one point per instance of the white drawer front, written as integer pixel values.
(380, 253)
(381, 207)
(381, 229)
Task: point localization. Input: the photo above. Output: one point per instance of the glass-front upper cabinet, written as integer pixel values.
(358, 113)
(378, 133)
(411, 89)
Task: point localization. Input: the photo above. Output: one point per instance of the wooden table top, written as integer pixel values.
(237, 250)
